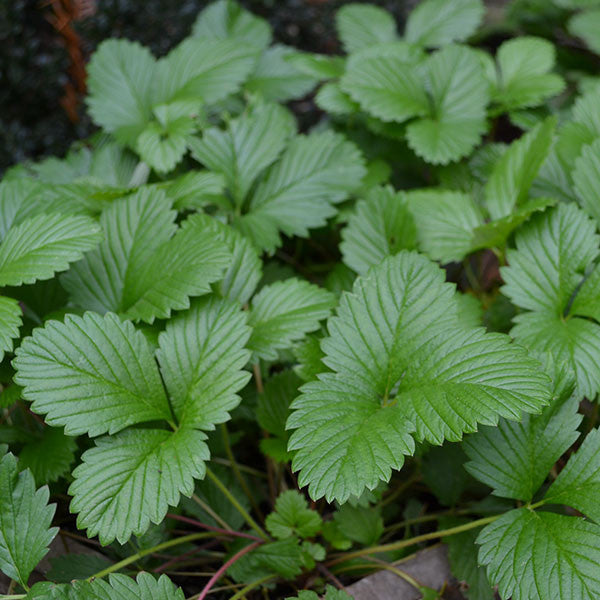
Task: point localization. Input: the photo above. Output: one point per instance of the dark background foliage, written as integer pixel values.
(37, 115)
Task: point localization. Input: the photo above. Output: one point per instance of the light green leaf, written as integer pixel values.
(586, 26)
(332, 99)
(276, 79)
(539, 555)
(435, 23)
(380, 226)
(91, 374)
(284, 312)
(362, 524)
(43, 245)
(25, 519)
(585, 179)
(362, 25)
(403, 362)
(293, 517)
(250, 144)
(10, 321)
(193, 190)
(459, 97)
(226, 19)
(510, 181)
(201, 358)
(319, 66)
(129, 480)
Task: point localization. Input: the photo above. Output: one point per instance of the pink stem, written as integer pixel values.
(224, 568)
(215, 529)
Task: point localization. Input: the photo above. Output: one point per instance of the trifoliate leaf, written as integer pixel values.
(284, 312)
(360, 524)
(201, 357)
(299, 191)
(245, 267)
(250, 144)
(546, 269)
(273, 404)
(445, 222)
(293, 517)
(141, 269)
(586, 26)
(49, 456)
(129, 480)
(25, 519)
(120, 79)
(459, 96)
(388, 87)
(43, 245)
(276, 79)
(523, 77)
(10, 321)
(585, 179)
(578, 483)
(225, 19)
(402, 362)
(380, 226)
(362, 25)
(91, 374)
(537, 555)
(434, 23)
(514, 458)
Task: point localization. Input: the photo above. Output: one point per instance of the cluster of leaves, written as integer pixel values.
(172, 293)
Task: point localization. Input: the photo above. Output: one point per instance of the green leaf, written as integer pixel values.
(459, 95)
(330, 594)
(388, 87)
(510, 181)
(120, 79)
(251, 143)
(578, 483)
(309, 356)
(293, 517)
(201, 358)
(245, 267)
(362, 25)
(435, 23)
(514, 458)
(585, 179)
(25, 519)
(193, 190)
(66, 567)
(380, 226)
(363, 525)
(91, 374)
(276, 79)
(585, 25)
(49, 457)
(284, 312)
(523, 77)
(272, 408)
(403, 362)
(10, 321)
(332, 99)
(43, 245)
(129, 480)
(445, 222)
(538, 555)
(320, 66)
(444, 473)
(226, 19)
(299, 191)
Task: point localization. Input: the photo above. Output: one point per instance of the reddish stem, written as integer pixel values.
(224, 568)
(230, 532)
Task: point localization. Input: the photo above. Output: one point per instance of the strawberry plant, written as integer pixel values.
(240, 358)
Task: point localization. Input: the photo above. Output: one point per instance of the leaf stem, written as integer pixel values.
(209, 511)
(251, 586)
(162, 546)
(251, 522)
(230, 532)
(12, 596)
(433, 535)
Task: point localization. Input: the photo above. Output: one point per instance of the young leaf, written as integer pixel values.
(361, 524)
(10, 321)
(380, 226)
(293, 517)
(459, 97)
(539, 555)
(435, 23)
(44, 245)
(402, 362)
(362, 25)
(129, 480)
(25, 519)
(201, 356)
(91, 374)
(586, 25)
(284, 312)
